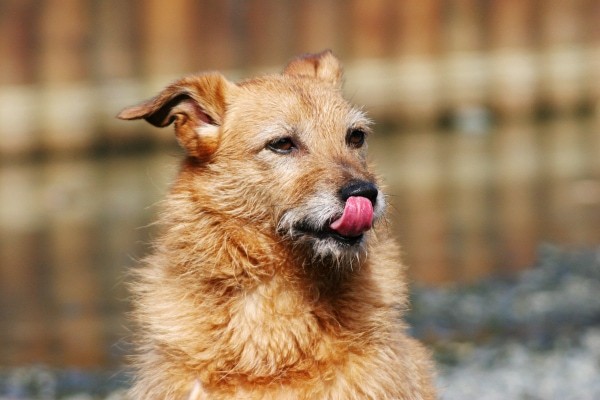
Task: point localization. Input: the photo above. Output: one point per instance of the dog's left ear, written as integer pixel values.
(324, 66)
(196, 105)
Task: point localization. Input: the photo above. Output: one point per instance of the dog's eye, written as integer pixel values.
(282, 145)
(355, 138)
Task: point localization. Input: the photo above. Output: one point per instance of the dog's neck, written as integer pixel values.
(278, 313)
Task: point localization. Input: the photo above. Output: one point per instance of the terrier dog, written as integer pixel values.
(273, 278)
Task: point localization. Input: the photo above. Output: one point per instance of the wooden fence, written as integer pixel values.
(69, 231)
(463, 206)
(69, 65)
(466, 207)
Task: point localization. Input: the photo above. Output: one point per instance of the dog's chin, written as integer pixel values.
(334, 237)
(327, 244)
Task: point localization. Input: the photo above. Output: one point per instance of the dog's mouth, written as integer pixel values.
(347, 228)
(325, 233)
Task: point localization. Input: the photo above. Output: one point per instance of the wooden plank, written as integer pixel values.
(517, 167)
(18, 96)
(317, 26)
(24, 319)
(415, 186)
(72, 204)
(166, 33)
(593, 147)
(469, 169)
(462, 26)
(123, 240)
(64, 30)
(591, 39)
(371, 25)
(513, 75)
(19, 130)
(417, 28)
(17, 42)
(267, 33)
(562, 60)
(563, 164)
(589, 186)
(416, 45)
(117, 56)
(465, 73)
(426, 216)
(217, 36)
(116, 50)
(67, 105)
(512, 24)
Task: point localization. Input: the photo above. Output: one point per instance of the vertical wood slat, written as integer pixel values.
(116, 41)
(16, 42)
(267, 35)
(117, 56)
(317, 26)
(591, 38)
(516, 170)
(564, 165)
(64, 32)
(462, 26)
(123, 240)
(69, 194)
(24, 309)
(562, 63)
(513, 65)
(166, 32)
(426, 221)
(67, 103)
(470, 176)
(416, 44)
(589, 190)
(369, 28)
(24, 312)
(465, 73)
(17, 76)
(20, 123)
(217, 40)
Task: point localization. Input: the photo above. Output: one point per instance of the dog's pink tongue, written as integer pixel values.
(356, 219)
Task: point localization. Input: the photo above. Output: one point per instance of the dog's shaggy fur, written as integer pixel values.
(250, 294)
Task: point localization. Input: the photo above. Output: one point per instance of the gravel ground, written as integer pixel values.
(570, 370)
(533, 337)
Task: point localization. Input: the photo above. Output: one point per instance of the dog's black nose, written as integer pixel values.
(359, 188)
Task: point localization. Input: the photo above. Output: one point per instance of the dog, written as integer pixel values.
(275, 276)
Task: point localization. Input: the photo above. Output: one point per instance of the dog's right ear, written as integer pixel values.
(323, 66)
(196, 105)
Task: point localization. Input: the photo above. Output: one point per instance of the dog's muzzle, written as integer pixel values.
(359, 199)
(348, 227)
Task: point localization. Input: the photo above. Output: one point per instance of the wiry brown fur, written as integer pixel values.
(233, 303)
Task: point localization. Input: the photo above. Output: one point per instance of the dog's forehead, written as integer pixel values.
(300, 103)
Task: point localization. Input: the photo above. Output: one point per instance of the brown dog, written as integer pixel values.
(268, 282)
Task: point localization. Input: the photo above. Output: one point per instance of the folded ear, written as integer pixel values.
(196, 104)
(324, 66)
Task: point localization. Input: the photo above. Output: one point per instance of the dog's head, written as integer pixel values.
(286, 153)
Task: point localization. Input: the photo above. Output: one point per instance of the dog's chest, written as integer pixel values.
(272, 329)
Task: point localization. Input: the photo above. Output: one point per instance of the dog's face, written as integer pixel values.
(310, 144)
(286, 152)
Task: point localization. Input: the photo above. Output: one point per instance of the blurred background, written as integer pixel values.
(487, 135)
